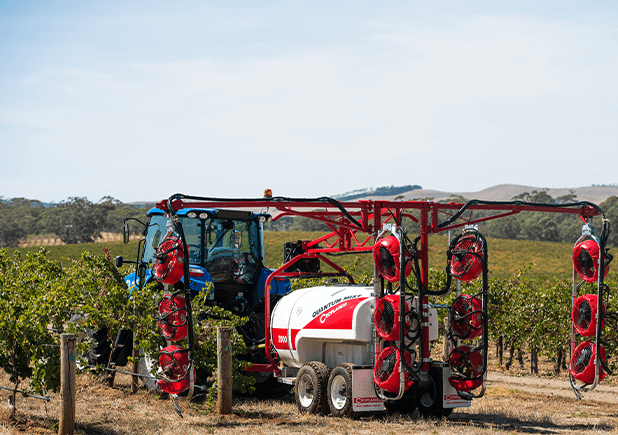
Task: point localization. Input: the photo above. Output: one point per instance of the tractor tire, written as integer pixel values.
(430, 399)
(310, 388)
(339, 391)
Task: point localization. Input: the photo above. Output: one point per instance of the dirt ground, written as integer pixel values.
(511, 405)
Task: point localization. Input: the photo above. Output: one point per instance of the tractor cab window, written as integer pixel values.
(155, 233)
(158, 229)
(229, 249)
(193, 235)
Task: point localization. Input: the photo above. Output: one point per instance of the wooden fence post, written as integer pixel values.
(224, 370)
(135, 379)
(66, 424)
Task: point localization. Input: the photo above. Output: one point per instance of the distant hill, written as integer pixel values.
(378, 191)
(501, 192)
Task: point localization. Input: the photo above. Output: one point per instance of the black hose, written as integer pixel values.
(272, 199)
(520, 203)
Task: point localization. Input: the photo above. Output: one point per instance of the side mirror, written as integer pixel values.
(119, 261)
(125, 234)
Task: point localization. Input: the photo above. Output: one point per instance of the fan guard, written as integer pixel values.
(466, 263)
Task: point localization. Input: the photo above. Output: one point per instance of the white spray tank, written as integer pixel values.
(332, 324)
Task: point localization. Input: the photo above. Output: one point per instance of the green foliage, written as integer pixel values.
(39, 299)
(205, 352)
(33, 304)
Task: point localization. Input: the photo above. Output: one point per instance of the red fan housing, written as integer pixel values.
(468, 363)
(168, 267)
(583, 361)
(173, 317)
(585, 315)
(467, 260)
(386, 257)
(466, 317)
(387, 369)
(386, 317)
(174, 362)
(586, 260)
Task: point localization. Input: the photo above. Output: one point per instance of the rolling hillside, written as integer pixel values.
(504, 192)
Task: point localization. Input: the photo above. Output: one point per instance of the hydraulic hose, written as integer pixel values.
(519, 203)
(275, 199)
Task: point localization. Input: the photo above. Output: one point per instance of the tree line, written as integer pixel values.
(74, 220)
(78, 220)
(549, 227)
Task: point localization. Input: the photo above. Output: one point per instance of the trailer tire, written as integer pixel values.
(429, 399)
(339, 391)
(310, 388)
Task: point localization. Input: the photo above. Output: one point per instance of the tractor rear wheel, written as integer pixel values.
(430, 398)
(310, 388)
(339, 391)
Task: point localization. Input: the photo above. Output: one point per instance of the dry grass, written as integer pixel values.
(506, 409)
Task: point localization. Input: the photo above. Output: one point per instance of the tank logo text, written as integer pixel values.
(331, 303)
(331, 312)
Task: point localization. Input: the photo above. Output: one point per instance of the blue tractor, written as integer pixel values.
(226, 259)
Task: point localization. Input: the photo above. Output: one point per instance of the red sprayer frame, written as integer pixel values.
(347, 219)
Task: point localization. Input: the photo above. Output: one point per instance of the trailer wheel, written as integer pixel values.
(430, 398)
(340, 391)
(310, 388)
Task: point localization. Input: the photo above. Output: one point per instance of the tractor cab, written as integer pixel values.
(226, 255)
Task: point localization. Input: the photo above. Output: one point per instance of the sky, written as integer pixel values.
(143, 99)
